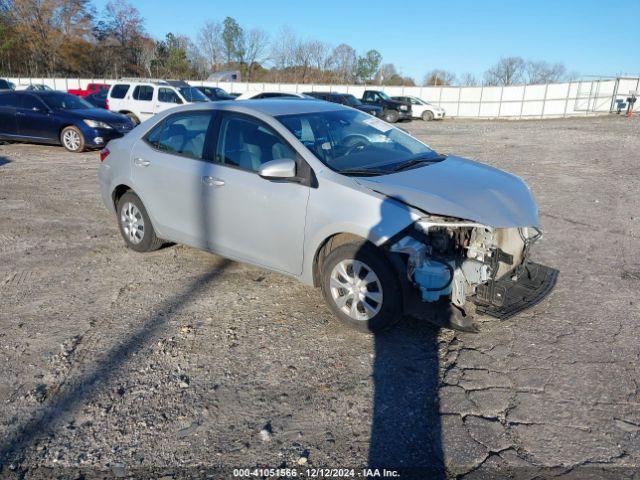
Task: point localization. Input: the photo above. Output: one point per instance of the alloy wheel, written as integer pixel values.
(132, 223)
(356, 289)
(71, 139)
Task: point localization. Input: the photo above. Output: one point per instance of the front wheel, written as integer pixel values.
(72, 139)
(427, 116)
(361, 288)
(391, 116)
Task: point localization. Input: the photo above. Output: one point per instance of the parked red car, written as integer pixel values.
(91, 89)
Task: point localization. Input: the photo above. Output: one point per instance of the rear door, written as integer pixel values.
(141, 101)
(35, 120)
(168, 165)
(8, 122)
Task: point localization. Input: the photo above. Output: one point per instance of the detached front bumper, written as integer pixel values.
(514, 293)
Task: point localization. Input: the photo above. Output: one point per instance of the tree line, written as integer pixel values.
(72, 38)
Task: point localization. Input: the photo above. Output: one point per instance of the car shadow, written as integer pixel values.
(406, 431)
(4, 161)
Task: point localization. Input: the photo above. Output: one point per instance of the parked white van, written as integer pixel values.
(141, 99)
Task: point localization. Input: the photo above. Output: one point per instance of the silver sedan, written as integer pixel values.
(336, 198)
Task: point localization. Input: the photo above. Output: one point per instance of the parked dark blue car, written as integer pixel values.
(58, 118)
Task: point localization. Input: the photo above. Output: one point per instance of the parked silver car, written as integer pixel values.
(336, 198)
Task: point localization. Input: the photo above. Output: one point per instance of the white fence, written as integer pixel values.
(553, 100)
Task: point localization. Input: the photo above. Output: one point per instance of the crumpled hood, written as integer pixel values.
(462, 188)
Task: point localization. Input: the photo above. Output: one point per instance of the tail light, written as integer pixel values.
(107, 103)
(104, 153)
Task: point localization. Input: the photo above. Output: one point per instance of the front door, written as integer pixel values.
(35, 120)
(168, 165)
(8, 122)
(251, 218)
(167, 98)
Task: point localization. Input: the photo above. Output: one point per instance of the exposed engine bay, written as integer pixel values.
(456, 260)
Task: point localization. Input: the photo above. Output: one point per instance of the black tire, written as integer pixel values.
(427, 116)
(374, 259)
(149, 241)
(72, 139)
(391, 116)
(133, 118)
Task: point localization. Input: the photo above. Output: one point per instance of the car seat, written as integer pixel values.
(175, 137)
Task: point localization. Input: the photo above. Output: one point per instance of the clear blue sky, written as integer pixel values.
(590, 37)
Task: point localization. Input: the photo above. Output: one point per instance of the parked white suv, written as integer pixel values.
(422, 109)
(140, 100)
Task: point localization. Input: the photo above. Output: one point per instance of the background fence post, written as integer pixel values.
(524, 94)
(614, 97)
(544, 100)
(566, 100)
(500, 103)
(458, 104)
(480, 101)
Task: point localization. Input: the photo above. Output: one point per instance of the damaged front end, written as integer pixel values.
(459, 269)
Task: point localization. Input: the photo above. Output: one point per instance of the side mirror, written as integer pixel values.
(281, 168)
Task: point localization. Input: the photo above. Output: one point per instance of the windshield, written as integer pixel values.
(352, 142)
(384, 96)
(192, 94)
(64, 101)
(351, 100)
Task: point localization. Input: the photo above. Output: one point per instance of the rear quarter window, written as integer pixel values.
(119, 91)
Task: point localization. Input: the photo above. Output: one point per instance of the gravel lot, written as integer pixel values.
(180, 363)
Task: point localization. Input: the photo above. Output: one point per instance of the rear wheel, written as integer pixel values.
(133, 117)
(427, 116)
(360, 286)
(135, 224)
(72, 139)
(391, 116)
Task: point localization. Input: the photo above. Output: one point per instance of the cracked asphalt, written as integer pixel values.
(182, 364)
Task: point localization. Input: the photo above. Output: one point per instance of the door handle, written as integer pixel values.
(212, 181)
(20, 114)
(141, 162)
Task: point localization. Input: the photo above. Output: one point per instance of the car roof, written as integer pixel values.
(270, 106)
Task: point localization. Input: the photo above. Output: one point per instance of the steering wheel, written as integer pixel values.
(355, 143)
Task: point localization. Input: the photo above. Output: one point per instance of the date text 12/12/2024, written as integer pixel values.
(315, 473)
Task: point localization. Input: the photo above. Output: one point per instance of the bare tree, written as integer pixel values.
(257, 44)
(468, 80)
(439, 77)
(319, 58)
(283, 50)
(210, 44)
(345, 62)
(544, 72)
(508, 71)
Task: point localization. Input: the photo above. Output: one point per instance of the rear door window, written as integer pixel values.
(143, 93)
(119, 91)
(182, 134)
